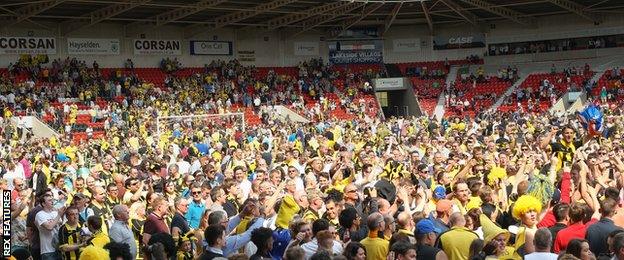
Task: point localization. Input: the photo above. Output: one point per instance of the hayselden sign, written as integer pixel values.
(77, 46)
(459, 41)
(211, 48)
(406, 45)
(27, 45)
(306, 48)
(162, 47)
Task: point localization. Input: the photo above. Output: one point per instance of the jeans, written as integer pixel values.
(51, 256)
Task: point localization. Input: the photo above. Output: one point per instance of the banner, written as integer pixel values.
(459, 41)
(92, 46)
(211, 48)
(406, 45)
(342, 52)
(306, 48)
(345, 57)
(27, 45)
(247, 56)
(152, 47)
(389, 84)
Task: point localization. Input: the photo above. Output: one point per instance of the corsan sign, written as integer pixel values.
(163, 47)
(27, 45)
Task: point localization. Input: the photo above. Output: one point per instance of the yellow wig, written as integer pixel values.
(525, 204)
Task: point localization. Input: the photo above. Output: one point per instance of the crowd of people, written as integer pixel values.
(498, 186)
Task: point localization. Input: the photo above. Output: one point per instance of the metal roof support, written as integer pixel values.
(321, 19)
(365, 12)
(575, 8)
(428, 16)
(227, 19)
(502, 11)
(392, 17)
(179, 13)
(293, 18)
(468, 16)
(28, 20)
(100, 15)
(31, 10)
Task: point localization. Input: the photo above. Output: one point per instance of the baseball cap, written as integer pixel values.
(443, 205)
(426, 226)
(439, 193)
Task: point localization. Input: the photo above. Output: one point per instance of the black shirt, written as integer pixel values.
(180, 222)
(231, 208)
(565, 153)
(258, 256)
(555, 229)
(597, 235)
(426, 252)
(208, 255)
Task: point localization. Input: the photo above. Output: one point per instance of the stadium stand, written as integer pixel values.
(312, 129)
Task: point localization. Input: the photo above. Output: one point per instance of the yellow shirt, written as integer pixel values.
(376, 248)
(100, 240)
(456, 242)
(94, 253)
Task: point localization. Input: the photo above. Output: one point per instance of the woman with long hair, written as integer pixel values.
(476, 250)
(580, 249)
(354, 251)
(170, 193)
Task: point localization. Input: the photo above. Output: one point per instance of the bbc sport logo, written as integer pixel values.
(6, 224)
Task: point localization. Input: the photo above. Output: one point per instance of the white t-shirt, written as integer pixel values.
(541, 256)
(245, 187)
(183, 166)
(45, 235)
(311, 247)
(11, 98)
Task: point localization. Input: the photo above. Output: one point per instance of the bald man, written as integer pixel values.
(120, 232)
(376, 247)
(456, 241)
(406, 225)
(384, 206)
(100, 208)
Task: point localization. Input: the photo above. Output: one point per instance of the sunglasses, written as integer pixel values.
(196, 192)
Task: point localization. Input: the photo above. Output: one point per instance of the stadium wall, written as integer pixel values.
(276, 48)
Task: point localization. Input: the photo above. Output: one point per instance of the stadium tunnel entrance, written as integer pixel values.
(396, 98)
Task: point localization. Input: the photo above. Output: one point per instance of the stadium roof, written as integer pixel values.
(331, 15)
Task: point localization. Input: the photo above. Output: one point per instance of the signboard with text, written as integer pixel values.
(77, 46)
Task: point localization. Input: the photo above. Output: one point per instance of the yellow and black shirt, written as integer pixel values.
(104, 213)
(310, 215)
(70, 236)
(565, 151)
(136, 225)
